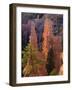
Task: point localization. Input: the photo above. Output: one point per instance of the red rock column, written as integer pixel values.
(46, 35)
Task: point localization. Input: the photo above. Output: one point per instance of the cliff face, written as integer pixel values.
(48, 45)
(39, 28)
(41, 69)
(26, 29)
(57, 48)
(33, 36)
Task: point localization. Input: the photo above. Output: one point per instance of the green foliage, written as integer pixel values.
(26, 54)
(53, 72)
(30, 53)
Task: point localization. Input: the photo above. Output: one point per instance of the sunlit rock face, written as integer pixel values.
(46, 35)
